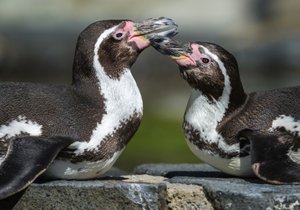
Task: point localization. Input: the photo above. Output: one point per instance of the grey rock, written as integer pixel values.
(96, 194)
(224, 191)
(161, 186)
(238, 193)
(114, 172)
(179, 196)
(183, 196)
(172, 170)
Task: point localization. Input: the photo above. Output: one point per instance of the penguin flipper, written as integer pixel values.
(26, 159)
(276, 158)
(277, 172)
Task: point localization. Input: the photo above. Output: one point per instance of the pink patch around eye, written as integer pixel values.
(128, 26)
(196, 55)
(140, 41)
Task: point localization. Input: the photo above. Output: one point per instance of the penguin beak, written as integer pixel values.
(180, 53)
(152, 28)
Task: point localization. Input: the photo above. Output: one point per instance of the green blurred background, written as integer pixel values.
(38, 37)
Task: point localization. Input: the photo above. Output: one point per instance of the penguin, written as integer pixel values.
(77, 131)
(239, 133)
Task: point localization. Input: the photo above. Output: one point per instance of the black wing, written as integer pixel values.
(26, 159)
(275, 156)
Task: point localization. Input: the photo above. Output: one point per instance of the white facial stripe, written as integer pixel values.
(100, 39)
(19, 126)
(122, 99)
(205, 116)
(289, 123)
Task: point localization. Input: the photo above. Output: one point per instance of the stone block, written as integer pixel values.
(94, 194)
(172, 170)
(225, 191)
(159, 187)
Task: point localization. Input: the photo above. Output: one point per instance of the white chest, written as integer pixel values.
(203, 116)
(122, 100)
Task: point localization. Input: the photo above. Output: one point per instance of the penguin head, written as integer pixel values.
(117, 43)
(203, 65)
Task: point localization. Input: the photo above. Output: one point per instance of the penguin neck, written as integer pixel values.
(237, 96)
(85, 81)
(86, 78)
(233, 98)
(232, 95)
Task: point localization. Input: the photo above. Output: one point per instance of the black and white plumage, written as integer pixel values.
(76, 131)
(241, 134)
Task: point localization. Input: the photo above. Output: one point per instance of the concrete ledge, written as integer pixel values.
(162, 186)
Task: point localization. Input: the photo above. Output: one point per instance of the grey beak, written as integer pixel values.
(153, 27)
(168, 46)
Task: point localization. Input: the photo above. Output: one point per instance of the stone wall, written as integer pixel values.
(161, 186)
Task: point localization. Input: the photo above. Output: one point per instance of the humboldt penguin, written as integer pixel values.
(77, 131)
(239, 133)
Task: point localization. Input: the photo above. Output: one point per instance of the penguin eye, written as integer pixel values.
(118, 35)
(205, 60)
